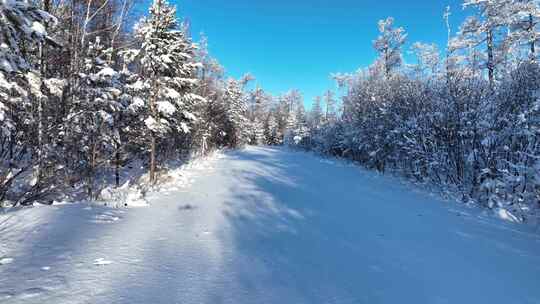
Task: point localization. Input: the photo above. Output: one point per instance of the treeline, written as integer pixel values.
(468, 120)
(84, 97)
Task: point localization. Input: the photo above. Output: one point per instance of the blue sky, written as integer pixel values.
(298, 43)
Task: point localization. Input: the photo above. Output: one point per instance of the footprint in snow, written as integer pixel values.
(186, 207)
(101, 262)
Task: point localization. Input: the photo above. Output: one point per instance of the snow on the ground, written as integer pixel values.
(267, 225)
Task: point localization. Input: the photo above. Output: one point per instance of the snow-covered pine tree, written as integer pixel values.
(237, 128)
(21, 21)
(271, 130)
(258, 103)
(165, 58)
(258, 106)
(316, 114)
(493, 17)
(330, 114)
(523, 21)
(389, 45)
(23, 29)
(209, 126)
(257, 132)
(291, 101)
(302, 130)
(463, 53)
(290, 129)
(428, 58)
(94, 118)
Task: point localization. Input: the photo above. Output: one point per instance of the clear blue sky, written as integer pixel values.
(298, 43)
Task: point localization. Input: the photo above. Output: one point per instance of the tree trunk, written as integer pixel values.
(92, 170)
(490, 62)
(41, 99)
(117, 168)
(387, 63)
(531, 32)
(39, 172)
(153, 112)
(118, 148)
(153, 159)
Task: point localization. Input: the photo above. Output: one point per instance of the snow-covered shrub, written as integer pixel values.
(127, 195)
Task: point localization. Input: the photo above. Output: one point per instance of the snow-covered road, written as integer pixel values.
(266, 225)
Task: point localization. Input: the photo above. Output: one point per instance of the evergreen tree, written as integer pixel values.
(257, 132)
(428, 58)
(523, 21)
(94, 117)
(493, 18)
(23, 27)
(168, 73)
(389, 45)
(271, 130)
(330, 107)
(316, 114)
(236, 111)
